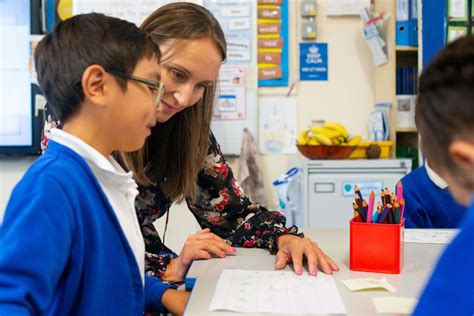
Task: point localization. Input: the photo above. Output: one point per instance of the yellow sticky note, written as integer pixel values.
(368, 283)
(397, 305)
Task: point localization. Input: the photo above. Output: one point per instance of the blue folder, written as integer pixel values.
(413, 23)
(403, 23)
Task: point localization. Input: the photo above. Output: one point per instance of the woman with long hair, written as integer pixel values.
(182, 160)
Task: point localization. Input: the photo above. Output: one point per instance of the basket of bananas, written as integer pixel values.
(330, 141)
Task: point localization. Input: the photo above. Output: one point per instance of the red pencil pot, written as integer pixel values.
(376, 247)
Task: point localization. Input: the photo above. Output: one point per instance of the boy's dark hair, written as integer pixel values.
(445, 104)
(62, 56)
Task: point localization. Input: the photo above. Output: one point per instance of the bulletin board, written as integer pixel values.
(236, 106)
(273, 44)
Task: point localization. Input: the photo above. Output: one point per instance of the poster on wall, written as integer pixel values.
(235, 18)
(231, 102)
(314, 61)
(130, 10)
(272, 37)
(277, 126)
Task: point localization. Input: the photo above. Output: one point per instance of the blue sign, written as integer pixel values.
(364, 186)
(313, 61)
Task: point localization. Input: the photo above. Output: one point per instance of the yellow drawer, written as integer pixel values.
(359, 152)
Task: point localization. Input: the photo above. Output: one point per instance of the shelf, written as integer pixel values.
(406, 130)
(407, 49)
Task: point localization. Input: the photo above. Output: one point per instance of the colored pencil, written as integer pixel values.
(371, 207)
(399, 191)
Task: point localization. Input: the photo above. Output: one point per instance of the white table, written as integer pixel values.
(419, 260)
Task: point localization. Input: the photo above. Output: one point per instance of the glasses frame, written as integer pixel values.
(155, 85)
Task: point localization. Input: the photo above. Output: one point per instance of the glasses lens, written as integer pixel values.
(159, 95)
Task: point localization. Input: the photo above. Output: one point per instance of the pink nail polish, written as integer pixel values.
(300, 271)
(314, 272)
(234, 250)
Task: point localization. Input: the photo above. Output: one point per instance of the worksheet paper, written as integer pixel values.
(430, 236)
(284, 292)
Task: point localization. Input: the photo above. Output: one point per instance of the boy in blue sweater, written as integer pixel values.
(428, 203)
(73, 209)
(445, 119)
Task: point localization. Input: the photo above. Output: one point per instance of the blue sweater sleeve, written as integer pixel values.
(35, 240)
(450, 290)
(154, 290)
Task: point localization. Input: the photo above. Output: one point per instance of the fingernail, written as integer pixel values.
(234, 250)
(300, 271)
(313, 272)
(329, 271)
(223, 255)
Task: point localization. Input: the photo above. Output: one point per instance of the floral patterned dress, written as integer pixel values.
(222, 207)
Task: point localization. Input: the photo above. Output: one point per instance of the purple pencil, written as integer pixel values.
(385, 212)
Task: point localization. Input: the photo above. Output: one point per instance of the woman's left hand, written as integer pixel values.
(294, 249)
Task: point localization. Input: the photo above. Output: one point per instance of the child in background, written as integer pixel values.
(428, 203)
(73, 209)
(445, 119)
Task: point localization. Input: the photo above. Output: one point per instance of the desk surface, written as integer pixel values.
(419, 260)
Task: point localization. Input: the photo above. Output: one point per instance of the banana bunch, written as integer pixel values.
(330, 134)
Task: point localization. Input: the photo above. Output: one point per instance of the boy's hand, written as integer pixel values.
(202, 245)
(175, 301)
(294, 249)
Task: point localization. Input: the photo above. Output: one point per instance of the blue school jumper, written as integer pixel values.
(62, 250)
(427, 205)
(450, 290)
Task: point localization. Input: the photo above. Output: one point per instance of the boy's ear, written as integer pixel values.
(462, 153)
(94, 80)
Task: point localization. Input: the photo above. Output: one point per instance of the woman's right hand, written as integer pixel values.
(202, 245)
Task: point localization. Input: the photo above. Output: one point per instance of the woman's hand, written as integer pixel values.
(202, 245)
(294, 249)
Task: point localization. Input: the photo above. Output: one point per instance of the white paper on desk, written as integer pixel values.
(430, 236)
(368, 284)
(398, 305)
(284, 292)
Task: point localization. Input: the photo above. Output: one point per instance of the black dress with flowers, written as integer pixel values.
(222, 207)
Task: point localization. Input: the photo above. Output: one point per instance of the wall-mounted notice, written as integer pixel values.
(235, 18)
(231, 103)
(277, 126)
(272, 33)
(313, 61)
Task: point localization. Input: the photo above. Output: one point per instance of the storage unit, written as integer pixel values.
(327, 187)
(405, 139)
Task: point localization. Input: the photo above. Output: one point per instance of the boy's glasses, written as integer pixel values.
(157, 87)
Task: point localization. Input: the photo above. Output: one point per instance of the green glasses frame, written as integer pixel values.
(156, 86)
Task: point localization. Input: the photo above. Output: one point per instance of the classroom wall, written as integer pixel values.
(347, 97)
